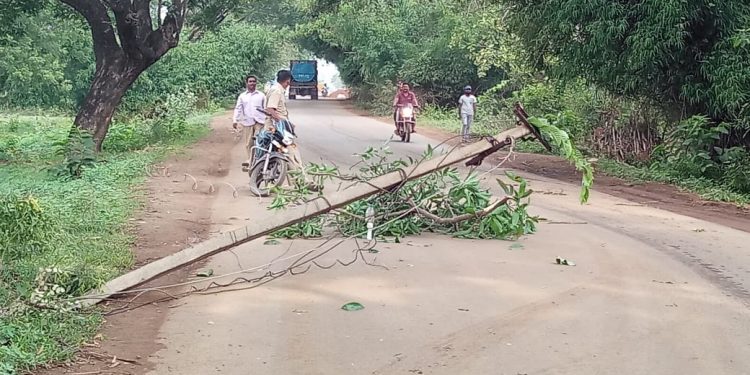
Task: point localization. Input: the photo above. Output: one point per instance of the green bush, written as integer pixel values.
(737, 170)
(60, 237)
(47, 63)
(8, 147)
(212, 67)
(170, 121)
(77, 153)
(26, 139)
(25, 228)
(128, 136)
(691, 150)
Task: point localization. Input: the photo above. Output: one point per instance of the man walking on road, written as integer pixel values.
(247, 115)
(467, 107)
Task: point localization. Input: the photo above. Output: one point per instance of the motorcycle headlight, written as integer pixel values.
(407, 112)
(288, 141)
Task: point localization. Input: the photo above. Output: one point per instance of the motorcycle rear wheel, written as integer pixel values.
(261, 185)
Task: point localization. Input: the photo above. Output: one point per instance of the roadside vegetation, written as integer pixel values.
(684, 154)
(64, 228)
(64, 208)
(656, 91)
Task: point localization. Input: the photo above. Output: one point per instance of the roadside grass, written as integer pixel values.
(62, 236)
(706, 188)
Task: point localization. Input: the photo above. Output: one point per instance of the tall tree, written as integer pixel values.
(686, 54)
(126, 43)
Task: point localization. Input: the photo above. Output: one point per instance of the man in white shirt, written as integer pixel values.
(246, 114)
(467, 107)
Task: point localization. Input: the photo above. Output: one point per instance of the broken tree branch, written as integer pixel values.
(457, 219)
(283, 219)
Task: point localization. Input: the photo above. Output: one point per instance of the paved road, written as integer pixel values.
(652, 292)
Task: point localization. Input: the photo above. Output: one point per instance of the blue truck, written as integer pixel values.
(304, 79)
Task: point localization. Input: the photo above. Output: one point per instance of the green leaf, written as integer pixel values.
(352, 306)
(205, 273)
(564, 147)
(508, 189)
(496, 226)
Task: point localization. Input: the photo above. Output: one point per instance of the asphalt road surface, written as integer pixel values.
(652, 292)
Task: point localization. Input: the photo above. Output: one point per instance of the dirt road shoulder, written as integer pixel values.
(176, 213)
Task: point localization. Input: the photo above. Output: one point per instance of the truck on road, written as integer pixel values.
(304, 79)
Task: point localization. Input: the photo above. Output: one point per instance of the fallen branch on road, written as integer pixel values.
(386, 183)
(457, 219)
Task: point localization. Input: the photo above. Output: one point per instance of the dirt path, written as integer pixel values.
(653, 292)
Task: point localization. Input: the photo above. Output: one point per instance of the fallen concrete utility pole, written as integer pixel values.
(273, 223)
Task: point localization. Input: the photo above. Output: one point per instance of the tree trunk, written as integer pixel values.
(110, 83)
(124, 48)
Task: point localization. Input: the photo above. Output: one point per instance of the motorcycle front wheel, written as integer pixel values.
(262, 183)
(407, 132)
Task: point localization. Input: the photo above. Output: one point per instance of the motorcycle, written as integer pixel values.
(405, 122)
(271, 158)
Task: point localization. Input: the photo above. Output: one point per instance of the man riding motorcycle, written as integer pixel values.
(403, 97)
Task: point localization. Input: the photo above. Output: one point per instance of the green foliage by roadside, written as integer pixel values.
(61, 236)
(375, 42)
(46, 62)
(688, 56)
(51, 63)
(694, 154)
(212, 67)
(77, 152)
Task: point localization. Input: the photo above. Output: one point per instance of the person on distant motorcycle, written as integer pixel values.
(399, 83)
(404, 97)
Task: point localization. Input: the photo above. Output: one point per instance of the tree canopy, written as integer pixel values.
(424, 42)
(686, 54)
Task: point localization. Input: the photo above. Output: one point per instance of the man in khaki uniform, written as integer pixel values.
(276, 109)
(276, 99)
